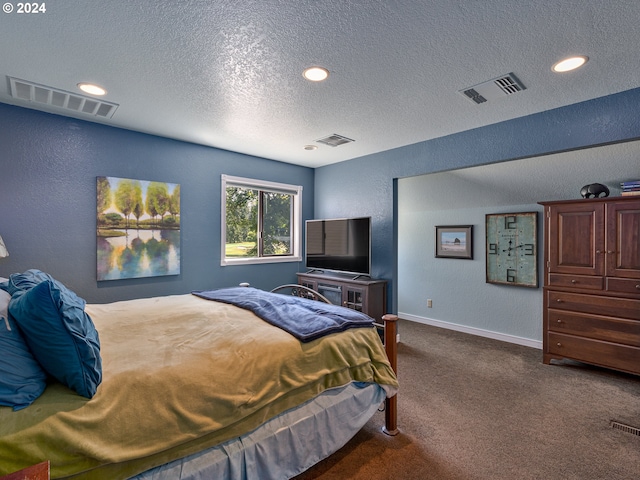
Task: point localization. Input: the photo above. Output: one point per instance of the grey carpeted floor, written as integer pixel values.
(475, 408)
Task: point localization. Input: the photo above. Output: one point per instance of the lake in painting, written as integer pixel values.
(139, 253)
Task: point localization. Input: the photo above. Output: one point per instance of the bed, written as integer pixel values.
(184, 386)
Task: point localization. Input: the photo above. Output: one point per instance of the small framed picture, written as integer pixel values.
(454, 241)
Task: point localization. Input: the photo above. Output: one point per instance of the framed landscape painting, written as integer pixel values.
(138, 228)
(454, 241)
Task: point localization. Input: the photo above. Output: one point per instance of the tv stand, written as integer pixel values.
(322, 272)
(364, 295)
(360, 276)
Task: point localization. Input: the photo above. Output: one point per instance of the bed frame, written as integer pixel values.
(389, 327)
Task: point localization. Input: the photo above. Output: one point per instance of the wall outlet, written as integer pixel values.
(429, 303)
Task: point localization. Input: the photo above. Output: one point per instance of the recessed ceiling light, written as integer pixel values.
(92, 89)
(315, 74)
(310, 147)
(569, 64)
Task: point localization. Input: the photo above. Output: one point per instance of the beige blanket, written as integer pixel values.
(180, 374)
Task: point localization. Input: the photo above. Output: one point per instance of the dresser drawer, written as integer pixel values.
(575, 281)
(623, 285)
(606, 354)
(617, 330)
(594, 304)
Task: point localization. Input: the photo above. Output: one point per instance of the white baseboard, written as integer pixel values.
(473, 331)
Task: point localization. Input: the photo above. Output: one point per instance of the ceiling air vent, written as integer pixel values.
(493, 89)
(32, 92)
(335, 140)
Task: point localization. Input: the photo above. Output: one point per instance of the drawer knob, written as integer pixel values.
(598, 251)
(574, 281)
(559, 321)
(638, 287)
(559, 344)
(559, 300)
(610, 251)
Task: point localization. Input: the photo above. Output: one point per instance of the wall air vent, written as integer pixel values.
(40, 94)
(335, 140)
(493, 89)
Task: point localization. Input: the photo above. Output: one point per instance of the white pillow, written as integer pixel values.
(4, 305)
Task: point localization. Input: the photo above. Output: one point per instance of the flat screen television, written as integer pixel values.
(339, 245)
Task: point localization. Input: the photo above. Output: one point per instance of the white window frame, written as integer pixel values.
(294, 190)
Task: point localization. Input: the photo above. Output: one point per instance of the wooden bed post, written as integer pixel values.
(391, 346)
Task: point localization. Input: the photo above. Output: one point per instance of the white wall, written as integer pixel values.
(462, 300)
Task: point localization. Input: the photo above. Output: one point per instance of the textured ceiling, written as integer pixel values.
(228, 73)
(521, 182)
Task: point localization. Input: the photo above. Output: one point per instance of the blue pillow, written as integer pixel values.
(22, 380)
(24, 281)
(61, 334)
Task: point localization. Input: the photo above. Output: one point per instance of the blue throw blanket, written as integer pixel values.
(305, 319)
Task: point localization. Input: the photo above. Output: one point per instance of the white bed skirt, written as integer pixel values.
(286, 445)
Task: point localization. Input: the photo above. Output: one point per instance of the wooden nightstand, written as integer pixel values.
(39, 471)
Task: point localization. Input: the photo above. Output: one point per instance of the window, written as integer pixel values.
(261, 221)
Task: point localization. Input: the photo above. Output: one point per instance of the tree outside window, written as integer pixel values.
(261, 221)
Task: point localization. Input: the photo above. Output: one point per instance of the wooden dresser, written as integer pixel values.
(592, 282)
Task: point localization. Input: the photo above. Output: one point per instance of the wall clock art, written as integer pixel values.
(512, 248)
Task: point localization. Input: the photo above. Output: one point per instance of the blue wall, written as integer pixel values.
(48, 170)
(48, 166)
(597, 122)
